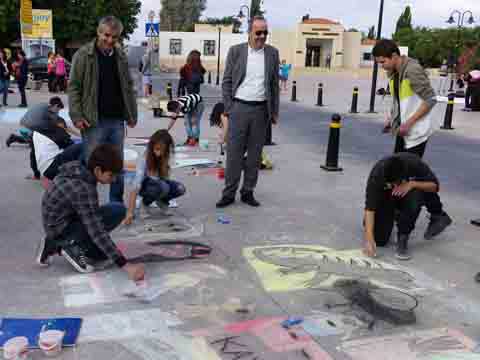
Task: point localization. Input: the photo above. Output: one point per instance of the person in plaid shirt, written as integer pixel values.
(74, 223)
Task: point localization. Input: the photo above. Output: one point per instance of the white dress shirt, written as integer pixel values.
(253, 86)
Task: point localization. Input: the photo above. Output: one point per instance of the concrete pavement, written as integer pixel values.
(268, 263)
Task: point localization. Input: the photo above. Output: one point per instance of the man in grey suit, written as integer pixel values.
(251, 97)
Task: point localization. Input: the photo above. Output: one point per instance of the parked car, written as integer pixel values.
(37, 68)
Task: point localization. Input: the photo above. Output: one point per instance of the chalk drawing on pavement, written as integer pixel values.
(113, 286)
(436, 344)
(297, 267)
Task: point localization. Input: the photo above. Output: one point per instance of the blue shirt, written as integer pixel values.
(285, 70)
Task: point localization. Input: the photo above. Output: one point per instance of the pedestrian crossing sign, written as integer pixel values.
(152, 29)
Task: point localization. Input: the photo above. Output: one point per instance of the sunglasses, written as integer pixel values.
(259, 33)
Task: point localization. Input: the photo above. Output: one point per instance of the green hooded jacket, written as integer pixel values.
(83, 85)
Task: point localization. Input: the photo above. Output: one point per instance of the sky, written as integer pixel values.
(359, 14)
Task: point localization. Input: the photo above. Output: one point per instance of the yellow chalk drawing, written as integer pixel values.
(299, 267)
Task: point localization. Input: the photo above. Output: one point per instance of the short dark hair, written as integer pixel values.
(395, 170)
(173, 106)
(107, 157)
(385, 48)
(253, 19)
(56, 101)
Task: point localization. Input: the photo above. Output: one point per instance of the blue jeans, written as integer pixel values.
(193, 120)
(4, 84)
(107, 131)
(160, 190)
(112, 215)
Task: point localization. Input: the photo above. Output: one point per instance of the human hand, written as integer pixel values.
(387, 126)
(81, 124)
(136, 272)
(370, 249)
(404, 129)
(128, 219)
(402, 189)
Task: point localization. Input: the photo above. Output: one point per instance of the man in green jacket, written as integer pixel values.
(102, 95)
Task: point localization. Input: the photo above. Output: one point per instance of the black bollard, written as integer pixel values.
(333, 145)
(354, 109)
(320, 95)
(170, 91)
(452, 83)
(209, 77)
(294, 91)
(447, 123)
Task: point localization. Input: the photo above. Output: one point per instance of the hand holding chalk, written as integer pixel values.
(136, 272)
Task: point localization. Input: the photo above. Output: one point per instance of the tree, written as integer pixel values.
(405, 20)
(227, 20)
(181, 15)
(9, 22)
(371, 33)
(256, 8)
(73, 20)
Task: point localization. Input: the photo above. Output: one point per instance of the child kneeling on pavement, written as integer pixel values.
(397, 188)
(75, 225)
(152, 181)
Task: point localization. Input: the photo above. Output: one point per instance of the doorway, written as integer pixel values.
(313, 53)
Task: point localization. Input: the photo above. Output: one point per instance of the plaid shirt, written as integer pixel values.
(73, 195)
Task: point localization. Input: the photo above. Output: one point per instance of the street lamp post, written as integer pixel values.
(375, 65)
(218, 55)
(461, 22)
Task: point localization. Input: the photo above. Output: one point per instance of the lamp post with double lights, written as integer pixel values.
(460, 24)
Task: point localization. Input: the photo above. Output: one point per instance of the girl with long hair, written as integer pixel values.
(5, 72)
(193, 72)
(152, 181)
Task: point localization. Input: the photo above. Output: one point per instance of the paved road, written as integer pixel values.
(302, 207)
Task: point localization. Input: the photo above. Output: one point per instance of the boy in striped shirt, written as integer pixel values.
(192, 107)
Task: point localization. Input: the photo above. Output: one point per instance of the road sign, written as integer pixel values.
(152, 29)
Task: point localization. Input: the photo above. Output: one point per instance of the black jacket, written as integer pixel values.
(5, 72)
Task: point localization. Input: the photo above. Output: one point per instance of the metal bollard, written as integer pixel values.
(294, 91)
(170, 91)
(452, 84)
(447, 123)
(209, 77)
(354, 109)
(333, 145)
(320, 95)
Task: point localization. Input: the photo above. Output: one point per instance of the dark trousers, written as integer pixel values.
(468, 95)
(71, 153)
(160, 190)
(60, 82)
(246, 133)
(112, 215)
(268, 139)
(408, 209)
(51, 82)
(21, 88)
(418, 150)
(432, 200)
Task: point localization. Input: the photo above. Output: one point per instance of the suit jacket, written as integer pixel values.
(236, 70)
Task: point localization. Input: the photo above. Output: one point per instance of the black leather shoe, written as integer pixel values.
(271, 143)
(248, 198)
(224, 202)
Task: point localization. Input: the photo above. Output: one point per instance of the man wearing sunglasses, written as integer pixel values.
(251, 97)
